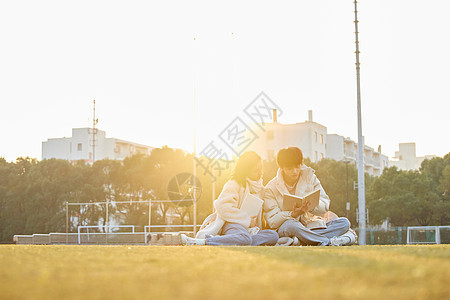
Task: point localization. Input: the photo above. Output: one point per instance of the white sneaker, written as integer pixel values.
(185, 240)
(339, 240)
(351, 234)
(284, 241)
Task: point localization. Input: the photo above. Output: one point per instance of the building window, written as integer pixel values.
(270, 155)
(315, 136)
(315, 155)
(321, 156)
(90, 155)
(270, 134)
(321, 138)
(80, 147)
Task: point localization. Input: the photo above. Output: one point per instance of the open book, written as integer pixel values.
(290, 200)
(252, 205)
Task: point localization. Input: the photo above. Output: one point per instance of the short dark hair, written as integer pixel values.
(245, 163)
(289, 157)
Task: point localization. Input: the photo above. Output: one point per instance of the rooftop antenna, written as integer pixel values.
(361, 186)
(94, 133)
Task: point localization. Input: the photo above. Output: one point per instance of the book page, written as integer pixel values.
(290, 200)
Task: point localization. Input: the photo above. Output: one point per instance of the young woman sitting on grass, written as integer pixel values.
(234, 226)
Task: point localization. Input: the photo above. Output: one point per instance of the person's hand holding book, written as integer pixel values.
(300, 210)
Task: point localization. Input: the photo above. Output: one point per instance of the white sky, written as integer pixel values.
(138, 59)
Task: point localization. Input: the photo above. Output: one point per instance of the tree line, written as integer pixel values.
(33, 193)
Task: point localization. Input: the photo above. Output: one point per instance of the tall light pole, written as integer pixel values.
(361, 187)
(195, 152)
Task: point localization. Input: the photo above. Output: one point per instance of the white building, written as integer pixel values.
(81, 146)
(314, 141)
(405, 158)
(345, 149)
(309, 136)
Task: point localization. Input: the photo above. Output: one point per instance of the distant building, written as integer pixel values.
(80, 146)
(342, 148)
(316, 144)
(309, 136)
(405, 158)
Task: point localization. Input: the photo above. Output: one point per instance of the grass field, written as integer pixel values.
(138, 272)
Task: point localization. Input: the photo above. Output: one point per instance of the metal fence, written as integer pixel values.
(170, 235)
(103, 235)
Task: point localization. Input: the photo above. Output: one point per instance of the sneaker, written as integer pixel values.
(185, 240)
(339, 240)
(284, 241)
(351, 235)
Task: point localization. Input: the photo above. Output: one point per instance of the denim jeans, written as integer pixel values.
(233, 234)
(291, 228)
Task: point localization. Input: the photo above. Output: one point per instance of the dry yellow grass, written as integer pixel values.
(137, 272)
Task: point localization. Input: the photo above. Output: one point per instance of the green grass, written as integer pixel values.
(138, 272)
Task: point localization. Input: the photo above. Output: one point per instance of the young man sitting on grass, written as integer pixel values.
(315, 227)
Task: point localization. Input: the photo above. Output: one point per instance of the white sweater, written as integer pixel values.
(273, 197)
(229, 202)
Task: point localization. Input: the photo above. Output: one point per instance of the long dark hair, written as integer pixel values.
(245, 163)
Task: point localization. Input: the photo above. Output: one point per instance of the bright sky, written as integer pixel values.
(140, 62)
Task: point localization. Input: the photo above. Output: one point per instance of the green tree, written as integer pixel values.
(333, 177)
(405, 197)
(13, 199)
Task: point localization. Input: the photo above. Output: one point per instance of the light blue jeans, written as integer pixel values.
(233, 234)
(291, 228)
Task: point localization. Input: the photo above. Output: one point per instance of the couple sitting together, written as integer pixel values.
(302, 225)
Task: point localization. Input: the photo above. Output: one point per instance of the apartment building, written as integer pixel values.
(344, 149)
(315, 143)
(85, 144)
(405, 158)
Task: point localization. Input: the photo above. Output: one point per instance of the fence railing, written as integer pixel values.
(149, 227)
(155, 235)
(107, 229)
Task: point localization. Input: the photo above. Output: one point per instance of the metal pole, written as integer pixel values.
(195, 199)
(195, 151)
(107, 213)
(348, 202)
(107, 220)
(361, 186)
(149, 214)
(213, 188)
(93, 136)
(67, 222)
